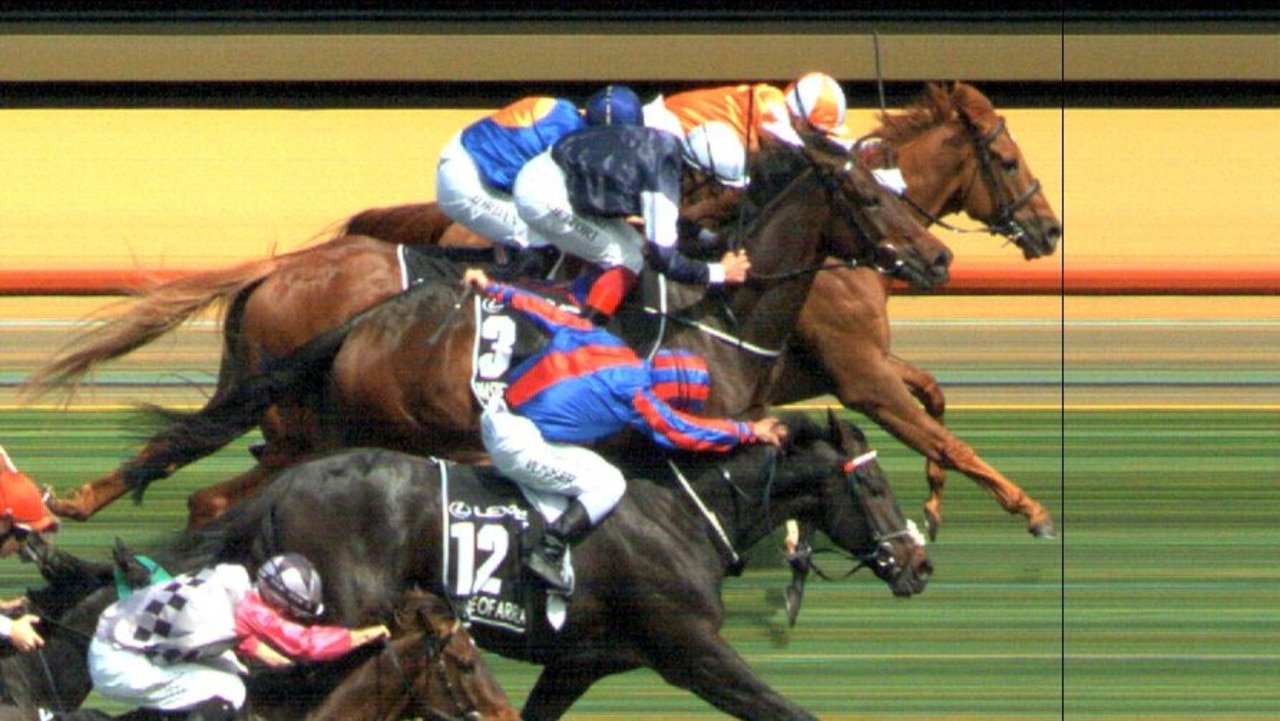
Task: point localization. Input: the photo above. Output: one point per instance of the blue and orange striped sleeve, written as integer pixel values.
(677, 430)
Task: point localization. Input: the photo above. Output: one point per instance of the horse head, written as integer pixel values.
(864, 211)
(959, 155)
(456, 683)
(856, 507)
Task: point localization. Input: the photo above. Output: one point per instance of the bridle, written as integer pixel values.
(879, 554)
(853, 215)
(1003, 223)
(461, 707)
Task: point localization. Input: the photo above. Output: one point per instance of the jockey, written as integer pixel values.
(586, 385)
(578, 196)
(749, 109)
(22, 513)
(479, 164)
(175, 646)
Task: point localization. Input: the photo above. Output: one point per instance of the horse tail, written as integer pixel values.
(145, 319)
(237, 407)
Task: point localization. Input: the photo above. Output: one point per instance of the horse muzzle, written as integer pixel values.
(920, 273)
(906, 568)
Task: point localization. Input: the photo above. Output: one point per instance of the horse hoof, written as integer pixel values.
(63, 508)
(1043, 530)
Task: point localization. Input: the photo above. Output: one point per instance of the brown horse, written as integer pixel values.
(956, 155)
(826, 204)
(430, 669)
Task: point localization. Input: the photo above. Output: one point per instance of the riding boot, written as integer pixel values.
(546, 559)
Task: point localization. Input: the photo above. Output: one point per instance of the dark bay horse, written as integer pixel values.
(816, 202)
(430, 668)
(957, 155)
(648, 578)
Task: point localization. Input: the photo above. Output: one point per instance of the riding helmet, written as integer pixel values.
(290, 584)
(716, 148)
(818, 100)
(615, 105)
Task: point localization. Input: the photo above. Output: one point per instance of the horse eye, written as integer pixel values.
(1010, 166)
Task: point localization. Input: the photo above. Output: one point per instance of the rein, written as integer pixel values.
(1003, 225)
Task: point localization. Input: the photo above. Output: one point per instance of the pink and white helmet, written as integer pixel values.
(818, 100)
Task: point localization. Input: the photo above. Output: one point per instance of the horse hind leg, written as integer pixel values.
(702, 662)
(561, 683)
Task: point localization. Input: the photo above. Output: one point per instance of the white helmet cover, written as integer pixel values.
(716, 148)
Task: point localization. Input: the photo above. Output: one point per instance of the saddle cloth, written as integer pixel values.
(489, 521)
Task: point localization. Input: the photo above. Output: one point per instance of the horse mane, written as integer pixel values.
(936, 105)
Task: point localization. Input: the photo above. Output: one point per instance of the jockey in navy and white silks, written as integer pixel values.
(479, 165)
(579, 195)
(173, 645)
(585, 385)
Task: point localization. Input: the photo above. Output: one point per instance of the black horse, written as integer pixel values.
(648, 579)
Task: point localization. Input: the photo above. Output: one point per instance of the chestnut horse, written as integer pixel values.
(430, 668)
(648, 579)
(956, 155)
(812, 203)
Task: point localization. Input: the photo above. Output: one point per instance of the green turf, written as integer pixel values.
(1160, 599)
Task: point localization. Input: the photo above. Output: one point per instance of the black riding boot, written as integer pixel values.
(546, 559)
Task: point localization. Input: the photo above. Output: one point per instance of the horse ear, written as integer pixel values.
(834, 432)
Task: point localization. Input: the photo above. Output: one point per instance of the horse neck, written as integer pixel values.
(747, 502)
(759, 316)
(938, 165)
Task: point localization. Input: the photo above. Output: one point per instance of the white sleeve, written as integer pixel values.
(6, 626)
(660, 217)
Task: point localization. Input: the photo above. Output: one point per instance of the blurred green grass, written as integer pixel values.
(1158, 601)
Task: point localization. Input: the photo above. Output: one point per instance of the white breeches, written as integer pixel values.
(543, 203)
(521, 453)
(482, 208)
(130, 677)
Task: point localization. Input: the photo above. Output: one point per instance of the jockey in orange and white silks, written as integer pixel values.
(479, 165)
(579, 195)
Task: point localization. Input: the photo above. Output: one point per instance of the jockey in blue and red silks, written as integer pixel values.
(585, 385)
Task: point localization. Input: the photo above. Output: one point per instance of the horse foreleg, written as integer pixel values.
(89, 498)
(924, 387)
(561, 683)
(886, 399)
(699, 660)
(207, 504)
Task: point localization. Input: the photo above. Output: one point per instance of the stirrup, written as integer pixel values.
(550, 572)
